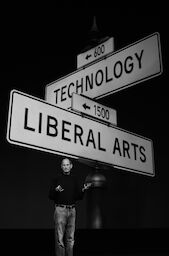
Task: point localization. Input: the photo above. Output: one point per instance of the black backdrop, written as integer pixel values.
(38, 47)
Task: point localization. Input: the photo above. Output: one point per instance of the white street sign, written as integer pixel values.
(116, 71)
(34, 123)
(92, 108)
(95, 53)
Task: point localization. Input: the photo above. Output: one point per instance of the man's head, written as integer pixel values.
(66, 165)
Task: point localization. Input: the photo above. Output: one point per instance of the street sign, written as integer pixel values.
(34, 123)
(116, 71)
(95, 53)
(92, 108)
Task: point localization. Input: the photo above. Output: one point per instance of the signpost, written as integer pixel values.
(116, 71)
(95, 53)
(34, 123)
(89, 107)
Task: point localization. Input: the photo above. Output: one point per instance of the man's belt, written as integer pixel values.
(66, 206)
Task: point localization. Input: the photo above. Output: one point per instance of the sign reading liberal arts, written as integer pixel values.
(126, 67)
(36, 124)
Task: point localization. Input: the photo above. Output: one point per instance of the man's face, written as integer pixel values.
(66, 166)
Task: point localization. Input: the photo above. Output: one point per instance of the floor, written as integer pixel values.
(87, 242)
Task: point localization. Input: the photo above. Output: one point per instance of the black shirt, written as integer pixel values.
(72, 190)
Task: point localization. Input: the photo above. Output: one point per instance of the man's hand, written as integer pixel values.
(59, 188)
(86, 186)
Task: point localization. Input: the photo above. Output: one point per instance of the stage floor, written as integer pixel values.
(142, 242)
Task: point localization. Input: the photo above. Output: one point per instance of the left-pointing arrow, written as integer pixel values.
(86, 106)
(88, 56)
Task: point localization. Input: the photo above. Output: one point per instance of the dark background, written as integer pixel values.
(40, 46)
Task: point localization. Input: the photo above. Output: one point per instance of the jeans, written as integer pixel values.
(64, 219)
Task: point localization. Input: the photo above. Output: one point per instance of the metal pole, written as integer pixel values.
(95, 198)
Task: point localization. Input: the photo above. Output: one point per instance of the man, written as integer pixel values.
(65, 191)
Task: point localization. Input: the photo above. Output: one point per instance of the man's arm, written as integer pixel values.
(86, 186)
(80, 189)
(59, 188)
(54, 189)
